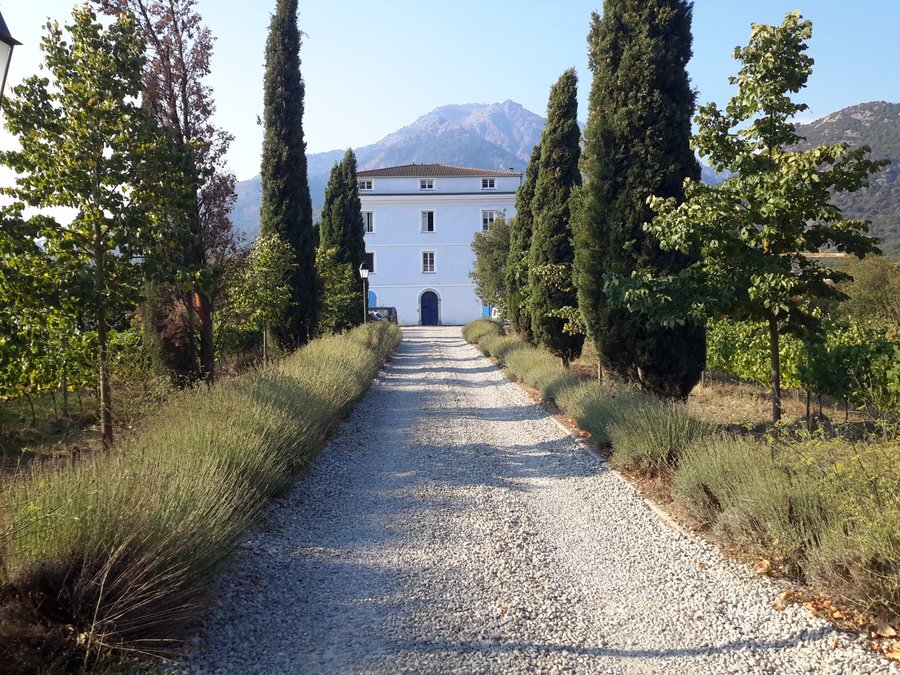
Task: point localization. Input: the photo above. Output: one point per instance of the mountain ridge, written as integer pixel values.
(502, 135)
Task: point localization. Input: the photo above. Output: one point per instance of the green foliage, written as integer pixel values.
(341, 293)
(851, 361)
(826, 512)
(341, 227)
(263, 293)
(476, 330)
(637, 144)
(286, 206)
(873, 293)
(126, 544)
(88, 144)
(876, 125)
(648, 433)
(753, 233)
(521, 228)
(551, 241)
(491, 250)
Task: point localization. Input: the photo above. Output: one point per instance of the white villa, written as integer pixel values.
(420, 220)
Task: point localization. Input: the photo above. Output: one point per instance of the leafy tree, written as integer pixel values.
(551, 294)
(637, 144)
(178, 60)
(491, 253)
(516, 270)
(753, 233)
(341, 290)
(263, 293)
(87, 144)
(286, 205)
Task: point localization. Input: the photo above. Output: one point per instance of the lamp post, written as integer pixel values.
(7, 42)
(363, 275)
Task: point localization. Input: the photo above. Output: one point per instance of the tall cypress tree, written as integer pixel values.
(341, 226)
(286, 205)
(519, 248)
(636, 145)
(550, 259)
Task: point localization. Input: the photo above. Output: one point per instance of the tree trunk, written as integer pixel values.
(265, 340)
(106, 430)
(203, 308)
(776, 370)
(808, 417)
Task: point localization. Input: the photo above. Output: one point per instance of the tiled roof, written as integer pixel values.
(431, 171)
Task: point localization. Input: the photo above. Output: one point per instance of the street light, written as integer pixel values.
(7, 42)
(364, 274)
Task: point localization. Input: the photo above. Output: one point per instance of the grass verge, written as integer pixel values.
(114, 554)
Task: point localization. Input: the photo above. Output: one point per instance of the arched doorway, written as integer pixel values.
(429, 308)
(372, 300)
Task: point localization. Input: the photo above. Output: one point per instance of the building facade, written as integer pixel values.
(420, 220)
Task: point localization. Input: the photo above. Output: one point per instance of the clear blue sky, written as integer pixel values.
(372, 67)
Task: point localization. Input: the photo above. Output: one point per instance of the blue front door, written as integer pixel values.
(429, 309)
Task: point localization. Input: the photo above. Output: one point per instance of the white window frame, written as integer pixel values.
(426, 184)
(366, 256)
(487, 221)
(423, 222)
(364, 185)
(425, 265)
(368, 218)
(488, 184)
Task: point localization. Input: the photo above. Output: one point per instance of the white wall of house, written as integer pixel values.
(403, 244)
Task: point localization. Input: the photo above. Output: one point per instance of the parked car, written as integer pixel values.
(383, 314)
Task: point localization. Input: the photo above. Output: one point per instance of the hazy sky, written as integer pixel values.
(372, 67)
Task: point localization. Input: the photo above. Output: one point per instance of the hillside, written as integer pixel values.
(877, 125)
(493, 136)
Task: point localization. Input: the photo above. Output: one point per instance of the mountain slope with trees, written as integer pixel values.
(876, 124)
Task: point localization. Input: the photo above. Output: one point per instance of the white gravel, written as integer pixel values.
(451, 526)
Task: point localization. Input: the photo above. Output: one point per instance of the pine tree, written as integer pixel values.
(551, 293)
(286, 205)
(519, 248)
(636, 145)
(341, 244)
(341, 227)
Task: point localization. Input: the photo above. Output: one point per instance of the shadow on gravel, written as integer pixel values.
(525, 648)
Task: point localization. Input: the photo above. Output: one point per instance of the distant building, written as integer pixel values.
(420, 220)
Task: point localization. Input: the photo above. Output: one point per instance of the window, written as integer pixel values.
(427, 262)
(370, 262)
(427, 221)
(487, 217)
(368, 221)
(487, 183)
(364, 184)
(426, 184)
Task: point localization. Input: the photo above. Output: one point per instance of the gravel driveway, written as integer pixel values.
(451, 526)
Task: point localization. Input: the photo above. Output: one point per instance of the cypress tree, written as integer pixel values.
(286, 205)
(519, 248)
(550, 290)
(637, 144)
(342, 226)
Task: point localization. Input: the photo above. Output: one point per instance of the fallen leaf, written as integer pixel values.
(763, 567)
(787, 596)
(884, 630)
(778, 605)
